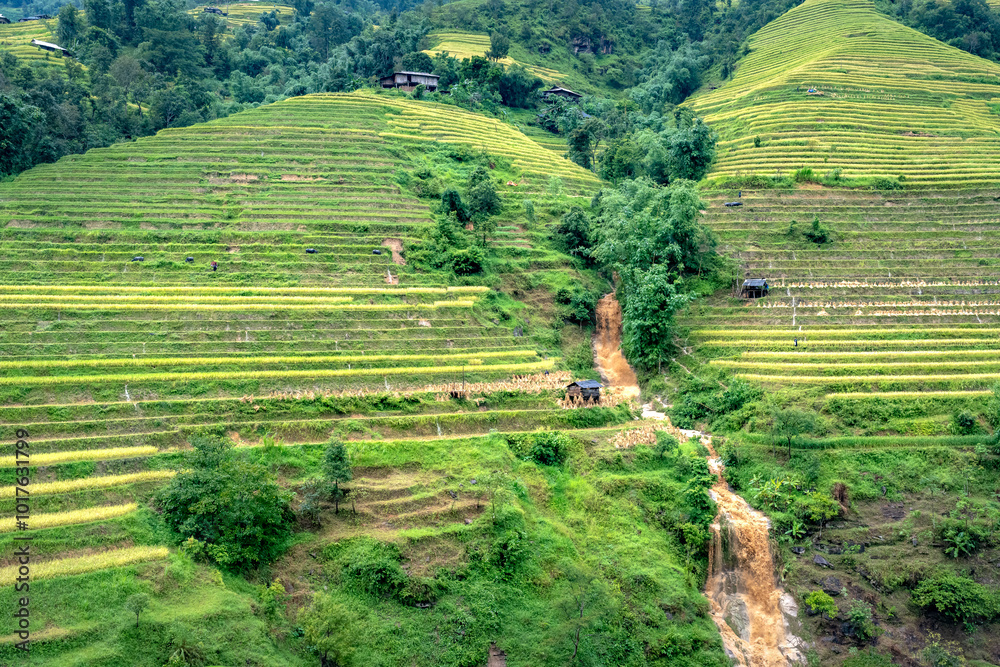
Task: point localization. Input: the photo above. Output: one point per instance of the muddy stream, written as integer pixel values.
(753, 614)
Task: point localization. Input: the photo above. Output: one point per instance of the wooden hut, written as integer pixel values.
(587, 391)
(559, 91)
(4, 20)
(410, 80)
(48, 46)
(754, 288)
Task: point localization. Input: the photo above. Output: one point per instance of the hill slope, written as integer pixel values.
(888, 101)
(113, 366)
(882, 316)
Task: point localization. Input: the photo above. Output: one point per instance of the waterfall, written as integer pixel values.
(608, 357)
(748, 606)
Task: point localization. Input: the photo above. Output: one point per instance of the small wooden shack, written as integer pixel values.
(754, 288)
(48, 46)
(410, 80)
(4, 20)
(558, 91)
(587, 391)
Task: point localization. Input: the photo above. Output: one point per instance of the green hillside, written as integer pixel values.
(15, 38)
(888, 102)
(248, 13)
(466, 45)
(462, 451)
(871, 208)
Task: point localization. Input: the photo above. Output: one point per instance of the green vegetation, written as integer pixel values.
(218, 335)
(933, 121)
(228, 510)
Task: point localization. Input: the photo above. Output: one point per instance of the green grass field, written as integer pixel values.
(113, 366)
(248, 13)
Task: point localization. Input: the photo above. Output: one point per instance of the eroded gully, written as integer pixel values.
(754, 615)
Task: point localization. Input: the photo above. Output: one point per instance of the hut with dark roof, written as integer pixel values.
(754, 288)
(559, 91)
(584, 390)
(409, 80)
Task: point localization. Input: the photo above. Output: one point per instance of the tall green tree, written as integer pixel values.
(651, 237)
(691, 146)
(20, 126)
(233, 506)
(790, 423)
(336, 469)
(517, 87)
(69, 27)
(499, 46)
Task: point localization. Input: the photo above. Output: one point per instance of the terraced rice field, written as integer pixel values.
(888, 101)
(248, 13)
(902, 308)
(16, 38)
(463, 45)
(111, 365)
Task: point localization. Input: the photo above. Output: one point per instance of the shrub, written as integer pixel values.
(804, 175)
(821, 603)
(862, 622)
(940, 653)
(817, 233)
(666, 444)
(581, 304)
(468, 261)
(575, 232)
(452, 201)
(957, 598)
(964, 422)
(548, 448)
(883, 183)
(529, 211)
(235, 507)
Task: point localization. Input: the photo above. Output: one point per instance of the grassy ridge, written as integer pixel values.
(888, 101)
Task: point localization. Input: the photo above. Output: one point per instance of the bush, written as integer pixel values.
(452, 201)
(821, 603)
(957, 598)
(468, 261)
(369, 566)
(529, 211)
(883, 183)
(575, 232)
(548, 448)
(234, 507)
(581, 304)
(862, 622)
(666, 444)
(817, 233)
(804, 175)
(483, 200)
(964, 422)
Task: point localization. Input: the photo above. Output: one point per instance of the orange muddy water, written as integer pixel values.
(747, 605)
(745, 599)
(611, 363)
